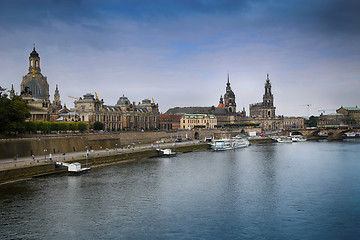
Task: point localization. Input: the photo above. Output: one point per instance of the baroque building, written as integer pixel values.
(34, 80)
(35, 92)
(190, 121)
(225, 112)
(122, 116)
(344, 117)
(264, 109)
(264, 114)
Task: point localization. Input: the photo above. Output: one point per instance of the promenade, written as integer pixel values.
(40, 159)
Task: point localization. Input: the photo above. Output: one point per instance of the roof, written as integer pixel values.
(123, 101)
(198, 115)
(197, 110)
(69, 114)
(111, 108)
(351, 108)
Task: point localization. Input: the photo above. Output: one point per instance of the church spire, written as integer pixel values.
(12, 92)
(229, 97)
(57, 97)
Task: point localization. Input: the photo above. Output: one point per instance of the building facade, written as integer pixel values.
(344, 117)
(35, 92)
(266, 108)
(263, 113)
(124, 115)
(169, 122)
(351, 112)
(205, 121)
(225, 112)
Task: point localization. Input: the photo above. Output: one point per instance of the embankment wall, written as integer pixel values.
(35, 170)
(46, 144)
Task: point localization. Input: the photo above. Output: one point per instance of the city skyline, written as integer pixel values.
(180, 52)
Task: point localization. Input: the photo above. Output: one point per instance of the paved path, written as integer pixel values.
(26, 161)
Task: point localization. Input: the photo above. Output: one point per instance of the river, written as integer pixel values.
(307, 190)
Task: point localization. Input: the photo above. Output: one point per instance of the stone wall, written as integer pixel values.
(78, 142)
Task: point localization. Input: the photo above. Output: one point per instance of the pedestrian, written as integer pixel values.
(50, 157)
(33, 157)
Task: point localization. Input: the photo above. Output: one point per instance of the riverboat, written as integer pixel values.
(229, 143)
(283, 139)
(298, 138)
(352, 135)
(73, 168)
(166, 152)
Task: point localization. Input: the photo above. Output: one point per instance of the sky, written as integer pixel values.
(180, 52)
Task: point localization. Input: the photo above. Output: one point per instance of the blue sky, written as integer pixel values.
(180, 52)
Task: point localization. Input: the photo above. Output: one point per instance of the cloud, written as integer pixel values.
(180, 52)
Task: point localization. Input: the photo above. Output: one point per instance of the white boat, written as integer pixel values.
(166, 152)
(229, 143)
(298, 138)
(73, 168)
(352, 135)
(283, 139)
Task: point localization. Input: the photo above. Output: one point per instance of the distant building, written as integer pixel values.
(225, 112)
(169, 122)
(264, 113)
(34, 80)
(351, 112)
(190, 121)
(122, 116)
(35, 92)
(264, 109)
(344, 117)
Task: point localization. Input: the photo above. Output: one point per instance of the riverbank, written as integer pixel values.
(30, 169)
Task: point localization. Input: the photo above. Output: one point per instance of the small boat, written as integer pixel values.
(166, 152)
(229, 143)
(352, 135)
(298, 138)
(73, 168)
(283, 139)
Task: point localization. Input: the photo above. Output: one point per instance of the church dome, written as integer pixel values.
(123, 101)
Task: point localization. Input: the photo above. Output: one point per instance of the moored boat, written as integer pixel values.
(73, 168)
(283, 139)
(352, 135)
(166, 152)
(298, 138)
(229, 143)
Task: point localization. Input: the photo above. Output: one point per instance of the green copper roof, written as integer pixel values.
(352, 108)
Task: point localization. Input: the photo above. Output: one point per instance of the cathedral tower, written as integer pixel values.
(57, 101)
(229, 98)
(268, 100)
(34, 80)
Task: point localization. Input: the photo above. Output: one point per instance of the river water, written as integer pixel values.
(308, 190)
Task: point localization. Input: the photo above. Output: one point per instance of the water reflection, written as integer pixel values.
(271, 191)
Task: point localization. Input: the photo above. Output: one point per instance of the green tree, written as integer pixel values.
(44, 127)
(73, 126)
(98, 126)
(64, 127)
(82, 126)
(312, 122)
(13, 113)
(31, 127)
